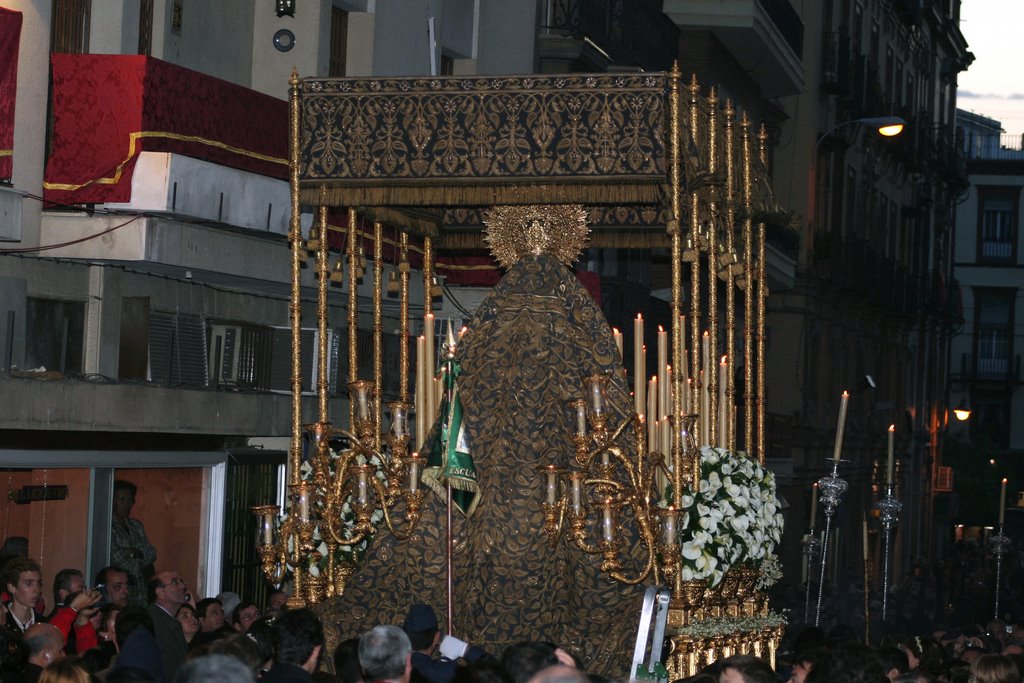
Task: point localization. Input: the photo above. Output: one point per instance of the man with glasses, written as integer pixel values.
(167, 592)
(115, 585)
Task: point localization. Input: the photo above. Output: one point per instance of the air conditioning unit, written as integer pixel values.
(224, 354)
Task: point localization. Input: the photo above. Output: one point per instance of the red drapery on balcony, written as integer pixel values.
(109, 108)
(10, 37)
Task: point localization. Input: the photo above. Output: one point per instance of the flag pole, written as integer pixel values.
(448, 556)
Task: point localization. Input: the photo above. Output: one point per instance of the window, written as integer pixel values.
(993, 332)
(55, 334)
(69, 26)
(997, 224)
(339, 42)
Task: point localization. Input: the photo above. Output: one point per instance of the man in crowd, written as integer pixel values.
(45, 644)
(129, 546)
(66, 582)
(167, 592)
(212, 626)
(243, 616)
(421, 627)
(385, 654)
(115, 583)
(277, 602)
(24, 583)
(298, 641)
(745, 669)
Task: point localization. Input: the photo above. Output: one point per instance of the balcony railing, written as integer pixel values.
(993, 147)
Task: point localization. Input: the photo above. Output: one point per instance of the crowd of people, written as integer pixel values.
(96, 634)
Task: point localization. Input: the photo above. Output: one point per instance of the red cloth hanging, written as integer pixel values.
(109, 108)
(10, 38)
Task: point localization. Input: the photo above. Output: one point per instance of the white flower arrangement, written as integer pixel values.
(733, 518)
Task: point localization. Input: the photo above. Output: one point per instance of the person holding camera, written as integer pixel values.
(421, 627)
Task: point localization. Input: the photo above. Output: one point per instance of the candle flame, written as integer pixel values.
(660, 329)
(846, 394)
(1004, 480)
(724, 358)
(814, 485)
(892, 428)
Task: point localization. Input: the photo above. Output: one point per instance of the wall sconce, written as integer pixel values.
(285, 7)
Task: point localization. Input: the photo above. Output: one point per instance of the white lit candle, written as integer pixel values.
(431, 365)
(267, 527)
(581, 416)
(888, 467)
(1002, 503)
(421, 409)
(723, 412)
(663, 409)
(608, 522)
(577, 494)
(617, 336)
(814, 504)
(652, 411)
(363, 486)
(668, 526)
(843, 402)
(415, 465)
(638, 368)
(551, 486)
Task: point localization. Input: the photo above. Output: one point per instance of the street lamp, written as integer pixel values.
(886, 126)
(962, 410)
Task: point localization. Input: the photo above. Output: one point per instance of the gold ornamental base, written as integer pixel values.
(706, 624)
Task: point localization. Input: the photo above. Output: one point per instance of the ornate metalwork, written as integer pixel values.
(889, 514)
(999, 546)
(831, 489)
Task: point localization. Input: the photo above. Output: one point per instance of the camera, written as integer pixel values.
(104, 598)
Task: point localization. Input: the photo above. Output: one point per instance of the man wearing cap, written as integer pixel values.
(421, 627)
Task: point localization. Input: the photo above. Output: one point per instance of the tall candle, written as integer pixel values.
(638, 368)
(363, 486)
(577, 495)
(723, 412)
(662, 373)
(666, 393)
(705, 407)
(684, 382)
(431, 359)
(617, 336)
(1002, 503)
(843, 402)
(652, 412)
(865, 527)
(421, 408)
(814, 504)
(888, 468)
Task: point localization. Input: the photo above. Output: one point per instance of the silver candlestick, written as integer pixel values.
(831, 489)
(999, 545)
(889, 512)
(812, 546)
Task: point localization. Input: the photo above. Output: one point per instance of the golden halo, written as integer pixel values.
(515, 231)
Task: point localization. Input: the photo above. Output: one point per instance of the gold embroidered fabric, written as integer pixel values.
(525, 354)
(457, 141)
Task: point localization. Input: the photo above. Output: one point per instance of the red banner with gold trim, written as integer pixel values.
(10, 38)
(109, 108)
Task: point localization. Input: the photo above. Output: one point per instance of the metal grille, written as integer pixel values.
(248, 484)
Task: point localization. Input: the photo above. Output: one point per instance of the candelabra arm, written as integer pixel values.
(648, 540)
(578, 524)
(412, 516)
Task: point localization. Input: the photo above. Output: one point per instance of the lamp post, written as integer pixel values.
(886, 126)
